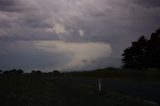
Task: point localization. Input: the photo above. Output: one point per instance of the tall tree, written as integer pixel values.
(135, 55)
(153, 50)
(143, 53)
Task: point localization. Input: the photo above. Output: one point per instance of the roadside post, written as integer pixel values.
(99, 85)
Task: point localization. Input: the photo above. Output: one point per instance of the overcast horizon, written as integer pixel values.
(72, 34)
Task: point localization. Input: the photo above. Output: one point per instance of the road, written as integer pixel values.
(147, 90)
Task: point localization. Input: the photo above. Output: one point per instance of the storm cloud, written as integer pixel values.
(148, 3)
(72, 34)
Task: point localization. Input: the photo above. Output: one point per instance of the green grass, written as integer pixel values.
(50, 90)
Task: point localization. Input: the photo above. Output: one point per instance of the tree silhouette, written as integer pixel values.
(19, 71)
(135, 55)
(143, 53)
(0, 71)
(36, 72)
(13, 71)
(56, 72)
(153, 50)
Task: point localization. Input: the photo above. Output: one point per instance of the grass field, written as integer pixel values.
(50, 90)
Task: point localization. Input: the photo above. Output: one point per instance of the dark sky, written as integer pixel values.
(72, 34)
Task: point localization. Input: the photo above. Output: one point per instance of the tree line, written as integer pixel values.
(20, 71)
(143, 53)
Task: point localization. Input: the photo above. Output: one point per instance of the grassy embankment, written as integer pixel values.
(146, 74)
(50, 90)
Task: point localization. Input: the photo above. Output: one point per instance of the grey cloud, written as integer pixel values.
(148, 3)
(10, 6)
(7, 2)
(30, 24)
(22, 54)
(37, 22)
(117, 22)
(99, 63)
(28, 35)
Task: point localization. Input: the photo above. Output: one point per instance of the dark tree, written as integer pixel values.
(19, 71)
(6, 72)
(56, 72)
(13, 71)
(0, 71)
(134, 56)
(153, 50)
(36, 72)
(143, 53)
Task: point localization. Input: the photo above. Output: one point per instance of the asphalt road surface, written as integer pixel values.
(147, 90)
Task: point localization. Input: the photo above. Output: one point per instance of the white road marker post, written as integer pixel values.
(99, 85)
